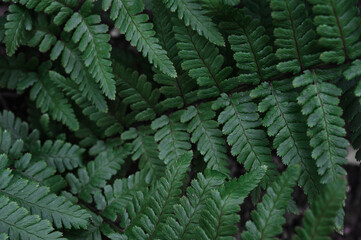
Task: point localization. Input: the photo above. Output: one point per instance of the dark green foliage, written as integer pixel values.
(337, 23)
(157, 119)
(325, 126)
(295, 37)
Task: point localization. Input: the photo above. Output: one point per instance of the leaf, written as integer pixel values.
(139, 32)
(25, 225)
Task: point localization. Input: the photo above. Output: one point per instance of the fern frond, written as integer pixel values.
(18, 73)
(139, 32)
(188, 212)
(319, 102)
(137, 92)
(203, 61)
(295, 36)
(93, 178)
(58, 154)
(352, 72)
(351, 106)
(172, 137)
(179, 91)
(287, 125)
(219, 217)
(253, 53)
(49, 98)
(267, 221)
(260, 9)
(24, 226)
(145, 148)
(38, 200)
(18, 24)
(117, 197)
(241, 124)
(337, 23)
(208, 137)
(159, 205)
(319, 220)
(13, 149)
(40, 172)
(194, 16)
(92, 40)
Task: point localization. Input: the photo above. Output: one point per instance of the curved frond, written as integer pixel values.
(319, 101)
(172, 137)
(24, 225)
(319, 221)
(203, 61)
(188, 212)
(139, 32)
(159, 205)
(267, 221)
(93, 178)
(38, 200)
(253, 52)
(219, 217)
(295, 36)
(18, 24)
(92, 41)
(241, 124)
(145, 148)
(58, 154)
(205, 133)
(194, 16)
(338, 24)
(287, 125)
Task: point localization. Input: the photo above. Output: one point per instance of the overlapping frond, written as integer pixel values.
(194, 16)
(351, 106)
(205, 132)
(287, 125)
(188, 212)
(93, 177)
(18, 73)
(139, 32)
(144, 148)
(92, 40)
(18, 24)
(24, 226)
(318, 222)
(58, 154)
(319, 102)
(38, 200)
(117, 196)
(219, 217)
(295, 36)
(241, 124)
(338, 24)
(40, 172)
(253, 52)
(178, 91)
(203, 61)
(172, 137)
(50, 99)
(159, 205)
(137, 92)
(267, 221)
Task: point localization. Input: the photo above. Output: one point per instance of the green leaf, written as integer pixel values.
(267, 221)
(25, 225)
(194, 16)
(337, 23)
(295, 36)
(320, 219)
(18, 22)
(139, 32)
(319, 101)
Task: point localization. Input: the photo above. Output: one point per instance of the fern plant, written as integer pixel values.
(171, 119)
